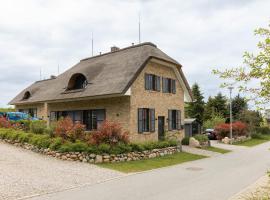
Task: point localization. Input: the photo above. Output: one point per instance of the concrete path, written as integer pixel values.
(198, 151)
(24, 173)
(215, 178)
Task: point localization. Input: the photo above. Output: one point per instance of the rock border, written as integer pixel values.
(96, 158)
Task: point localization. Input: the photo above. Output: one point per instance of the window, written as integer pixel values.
(168, 85)
(92, 119)
(146, 120)
(77, 81)
(31, 111)
(174, 120)
(26, 95)
(152, 82)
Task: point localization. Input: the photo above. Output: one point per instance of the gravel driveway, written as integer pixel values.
(24, 173)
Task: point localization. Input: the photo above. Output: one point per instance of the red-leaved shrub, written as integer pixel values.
(238, 129)
(109, 133)
(4, 123)
(66, 129)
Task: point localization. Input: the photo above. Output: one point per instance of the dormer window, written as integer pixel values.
(26, 95)
(77, 81)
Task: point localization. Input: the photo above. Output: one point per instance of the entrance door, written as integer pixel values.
(161, 132)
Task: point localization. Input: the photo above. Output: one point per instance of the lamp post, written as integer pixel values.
(230, 89)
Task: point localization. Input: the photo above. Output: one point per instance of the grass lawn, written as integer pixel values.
(218, 150)
(253, 142)
(148, 164)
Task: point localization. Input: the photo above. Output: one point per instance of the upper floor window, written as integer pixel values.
(152, 82)
(77, 81)
(168, 85)
(26, 95)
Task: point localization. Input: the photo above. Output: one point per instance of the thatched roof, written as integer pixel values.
(107, 74)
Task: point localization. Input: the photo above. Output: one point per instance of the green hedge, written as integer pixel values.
(58, 144)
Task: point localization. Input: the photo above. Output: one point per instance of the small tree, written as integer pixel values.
(215, 120)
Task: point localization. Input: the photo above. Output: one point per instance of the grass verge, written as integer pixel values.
(216, 149)
(143, 165)
(254, 141)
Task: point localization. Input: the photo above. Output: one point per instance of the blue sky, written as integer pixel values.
(201, 35)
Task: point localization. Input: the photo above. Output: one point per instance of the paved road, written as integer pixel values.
(215, 178)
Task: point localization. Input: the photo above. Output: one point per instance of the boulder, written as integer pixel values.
(98, 159)
(193, 142)
(226, 140)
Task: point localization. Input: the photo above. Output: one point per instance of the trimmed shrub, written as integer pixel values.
(257, 136)
(263, 130)
(4, 123)
(185, 141)
(201, 138)
(38, 127)
(56, 143)
(137, 147)
(120, 148)
(41, 141)
(223, 130)
(109, 133)
(66, 129)
(104, 148)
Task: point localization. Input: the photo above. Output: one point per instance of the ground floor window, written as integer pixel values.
(92, 119)
(146, 120)
(30, 111)
(174, 119)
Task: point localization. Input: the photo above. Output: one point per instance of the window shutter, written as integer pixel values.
(169, 120)
(158, 83)
(178, 119)
(152, 120)
(147, 86)
(140, 120)
(173, 87)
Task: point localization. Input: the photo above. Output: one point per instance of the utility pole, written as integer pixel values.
(230, 89)
(92, 43)
(139, 28)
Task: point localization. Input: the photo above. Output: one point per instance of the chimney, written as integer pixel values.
(53, 77)
(114, 48)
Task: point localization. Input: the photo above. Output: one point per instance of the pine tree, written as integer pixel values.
(238, 105)
(195, 109)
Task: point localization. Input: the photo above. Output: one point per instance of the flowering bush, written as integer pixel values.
(4, 123)
(238, 129)
(109, 133)
(66, 129)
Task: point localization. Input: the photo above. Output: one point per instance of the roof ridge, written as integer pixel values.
(129, 47)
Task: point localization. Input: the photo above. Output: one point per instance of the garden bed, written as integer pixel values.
(80, 151)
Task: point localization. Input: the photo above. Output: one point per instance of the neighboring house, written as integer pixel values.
(140, 87)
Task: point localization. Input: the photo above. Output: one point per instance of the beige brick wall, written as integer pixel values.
(41, 113)
(117, 108)
(161, 102)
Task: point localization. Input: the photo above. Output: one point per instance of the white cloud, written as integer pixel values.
(200, 34)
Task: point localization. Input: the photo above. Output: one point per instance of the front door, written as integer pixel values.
(161, 132)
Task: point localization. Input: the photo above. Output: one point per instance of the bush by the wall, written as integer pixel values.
(185, 141)
(38, 127)
(68, 130)
(263, 130)
(256, 136)
(201, 138)
(223, 130)
(109, 133)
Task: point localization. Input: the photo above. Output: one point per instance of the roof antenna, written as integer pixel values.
(40, 75)
(92, 41)
(139, 27)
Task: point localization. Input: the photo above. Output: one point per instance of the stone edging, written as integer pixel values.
(95, 158)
